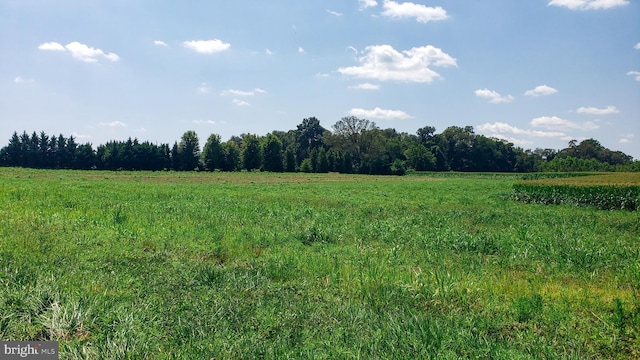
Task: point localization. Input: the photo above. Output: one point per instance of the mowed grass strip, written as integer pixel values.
(617, 191)
(255, 265)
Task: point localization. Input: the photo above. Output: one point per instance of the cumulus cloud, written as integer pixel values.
(626, 139)
(21, 80)
(334, 13)
(80, 51)
(114, 124)
(203, 89)
(160, 43)
(235, 92)
(421, 13)
(595, 111)
(79, 136)
(493, 96)
(635, 73)
(364, 4)
(637, 47)
(542, 90)
(366, 86)
(379, 113)
(207, 46)
(239, 102)
(383, 62)
(556, 123)
(301, 50)
(86, 53)
(588, 4)
(504, 128)
(52, 46)
(206, 122)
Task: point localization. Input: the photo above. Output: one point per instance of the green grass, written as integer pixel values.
(255, 265)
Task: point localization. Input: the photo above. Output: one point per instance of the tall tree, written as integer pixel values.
(290, 159)
(251, 154)
(212, 155)
(348, 137)
(231, 153)
(272, 154)
(419, 158)
(310, 136)
(189, 151)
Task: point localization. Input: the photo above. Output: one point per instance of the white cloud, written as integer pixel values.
(206, 122)
(504, 128)
(235, 92)
(207, 46)
(301, 50)
(364, 4)
(378, 113)
(422, 13)
(626, 139)
(160, 43)
(635, 73)
(321, 75)
(21, 80)
(334, 13)
(383, 62)
(52, 46)
(203, 88)
(556, 123)
(268, 52)
(86, 53)
(493, 96)
(590, 125)
(588, 4)
(114, 124)
(79, 136)
(595, 111)
(637, 47)
(80, 51)
(239, 102)
(542, 90)
(366, 86)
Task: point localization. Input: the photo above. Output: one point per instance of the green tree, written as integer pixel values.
(189, 151)
(310, 136)
(272, 154)
(231, 153)
(212, 155)
(251, 153)
(85, 157)
(347, 136)
(456, 144)
(419, 158)
(290, 159)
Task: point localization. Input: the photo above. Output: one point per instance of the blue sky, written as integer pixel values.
(538, 72)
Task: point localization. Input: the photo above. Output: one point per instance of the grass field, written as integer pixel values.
(165, 265)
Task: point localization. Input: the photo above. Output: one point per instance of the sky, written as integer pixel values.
(537, 73)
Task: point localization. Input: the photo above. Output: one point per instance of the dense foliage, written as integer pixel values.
(353, 146)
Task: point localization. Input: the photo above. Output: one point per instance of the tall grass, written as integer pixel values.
(255, 265)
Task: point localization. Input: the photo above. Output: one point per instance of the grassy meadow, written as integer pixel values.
(162, 265)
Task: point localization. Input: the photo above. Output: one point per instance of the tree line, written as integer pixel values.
(354, 145)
